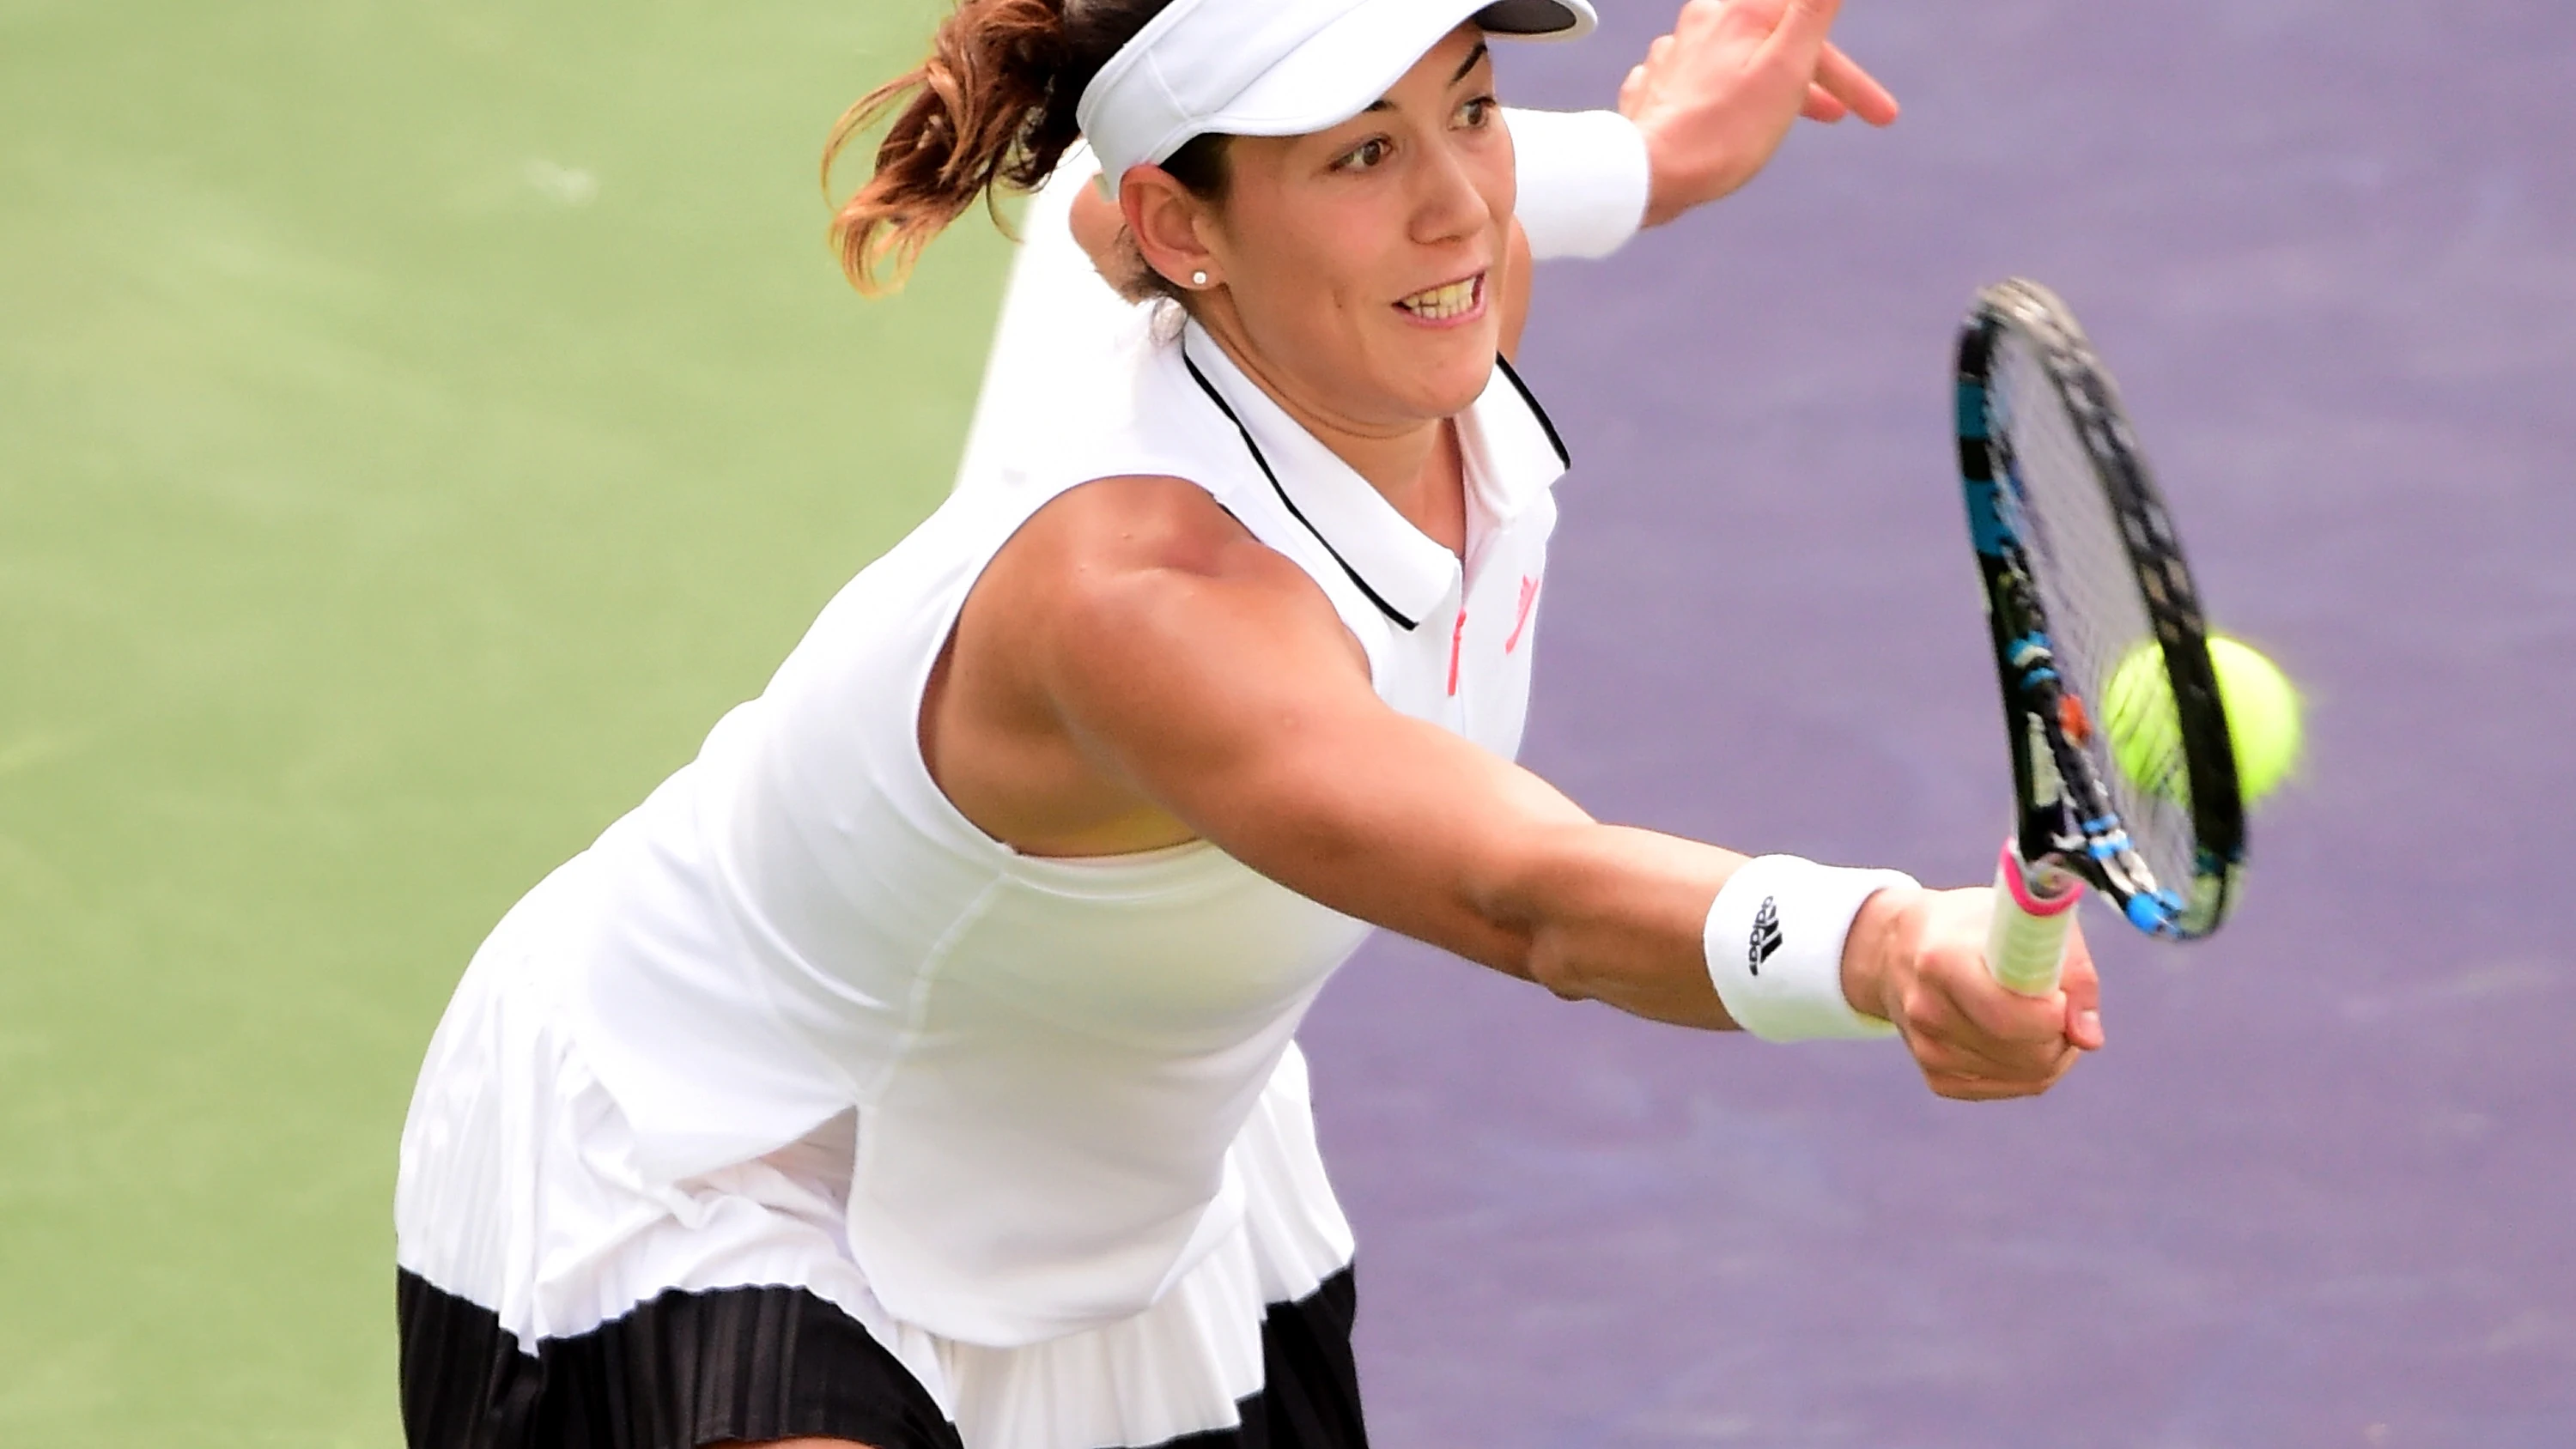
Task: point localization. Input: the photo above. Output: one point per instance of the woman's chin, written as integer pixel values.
(1444, 372)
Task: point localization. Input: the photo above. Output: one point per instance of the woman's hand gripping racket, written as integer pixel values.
(2123, 776)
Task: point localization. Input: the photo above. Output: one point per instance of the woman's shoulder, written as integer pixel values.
(1113, 401)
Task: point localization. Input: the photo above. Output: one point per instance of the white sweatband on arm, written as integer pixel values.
(1775, 946)
(1583, 180)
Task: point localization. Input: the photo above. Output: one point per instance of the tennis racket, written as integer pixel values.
(2123, 776)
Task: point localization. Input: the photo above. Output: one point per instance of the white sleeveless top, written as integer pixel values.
(1049, 1058)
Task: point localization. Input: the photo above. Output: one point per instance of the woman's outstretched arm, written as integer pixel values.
(1135, 662)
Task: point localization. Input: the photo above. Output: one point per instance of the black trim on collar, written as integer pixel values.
(1546, 423)
(1299, 514)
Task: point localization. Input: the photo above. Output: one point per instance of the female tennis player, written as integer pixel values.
(914, 1068)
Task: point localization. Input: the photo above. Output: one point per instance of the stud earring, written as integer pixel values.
(1198, 279)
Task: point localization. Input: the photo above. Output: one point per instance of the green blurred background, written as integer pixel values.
(418, 421)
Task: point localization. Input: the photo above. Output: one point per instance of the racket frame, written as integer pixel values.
(2067, 831)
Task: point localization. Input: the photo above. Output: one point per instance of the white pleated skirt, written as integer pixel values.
(519, 1195)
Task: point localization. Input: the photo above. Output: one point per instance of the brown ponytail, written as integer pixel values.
(992, 106)
(982, 109)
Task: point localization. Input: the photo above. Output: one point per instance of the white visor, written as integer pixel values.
(1278, 67)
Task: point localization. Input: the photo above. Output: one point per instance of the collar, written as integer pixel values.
(1509, 448)
(1513, 452)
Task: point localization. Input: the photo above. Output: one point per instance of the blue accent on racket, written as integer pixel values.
(1986, 529)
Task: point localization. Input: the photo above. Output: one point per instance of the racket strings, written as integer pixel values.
(2118, 711)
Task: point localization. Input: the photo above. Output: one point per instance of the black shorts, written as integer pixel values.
(754, 1364)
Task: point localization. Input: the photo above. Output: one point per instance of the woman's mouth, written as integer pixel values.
(1449, 301)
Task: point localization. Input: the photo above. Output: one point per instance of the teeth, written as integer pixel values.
(1443, 302)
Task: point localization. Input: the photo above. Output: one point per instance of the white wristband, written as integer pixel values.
(1775, 946)
(1583, 180)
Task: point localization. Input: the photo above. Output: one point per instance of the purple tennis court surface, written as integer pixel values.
(2321, 1190)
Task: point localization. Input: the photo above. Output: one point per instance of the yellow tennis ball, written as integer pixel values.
(2137, 717)
(2262, 718)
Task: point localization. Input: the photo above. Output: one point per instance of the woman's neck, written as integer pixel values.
(1415, 466)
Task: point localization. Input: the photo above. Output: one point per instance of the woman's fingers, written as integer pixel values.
(1982, 1008)
(1800, 34)
(1959, 1020)
(1716, 95)
(1972, 1038)
(1962, 1062)
(1946, 1039)
(1971, 1089)
(1841, 77)
(2031, 1071)
(1981, 1089)
(2083, 987)
(1804, 25)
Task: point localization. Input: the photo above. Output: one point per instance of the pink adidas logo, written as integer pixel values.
(1520, 626)
(1529, 596)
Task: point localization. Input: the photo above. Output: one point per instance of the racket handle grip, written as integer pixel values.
(2026, 944)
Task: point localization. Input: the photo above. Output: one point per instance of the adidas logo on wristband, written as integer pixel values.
(1766, 935)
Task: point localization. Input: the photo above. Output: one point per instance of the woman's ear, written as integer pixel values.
(1168, 225)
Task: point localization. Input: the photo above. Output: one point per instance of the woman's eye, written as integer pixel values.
(1477, 113)
(1369, 153)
